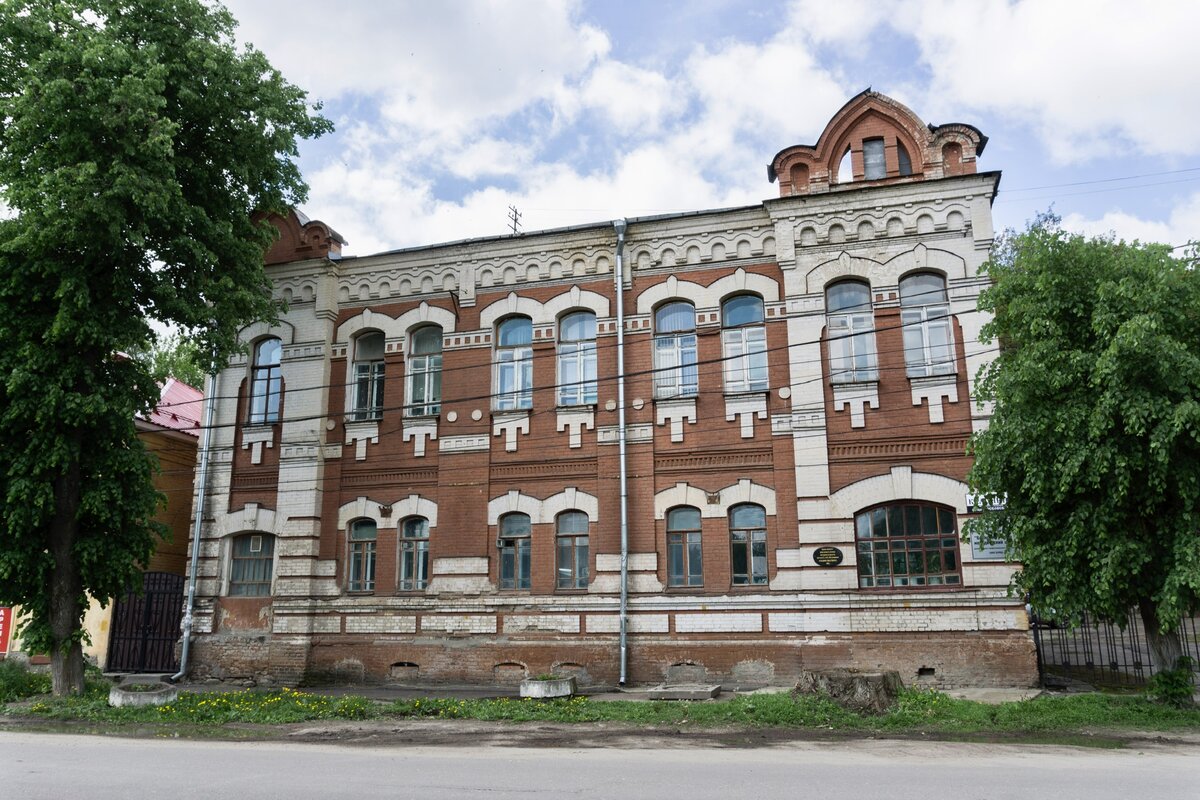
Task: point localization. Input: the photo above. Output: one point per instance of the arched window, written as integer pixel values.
(744, 342)
(845, 173)
(424, 372)
(685, 557)
(368, 376)
(361, 556)
(577, 359)
(907, 544)
(571, 529)
(850, 329)
(265, 382)
(675, 372)
(748, 544)
(514, 364)
(414, 554)
(928, 333)
(515, 530)
(251, 564)
(903, 157)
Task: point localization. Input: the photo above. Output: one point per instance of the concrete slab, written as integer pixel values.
(994, 696)
(683, 691)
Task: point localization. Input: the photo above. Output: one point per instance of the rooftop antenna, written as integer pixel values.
(514, 219)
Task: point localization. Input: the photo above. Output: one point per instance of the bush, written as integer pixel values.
(1173, 687)
(18, 683)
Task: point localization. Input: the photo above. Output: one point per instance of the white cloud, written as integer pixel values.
(1092, 79)
(1183, 224)
(631, 99)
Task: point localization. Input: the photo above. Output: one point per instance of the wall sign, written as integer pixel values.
(6, 616)
(977, 503)
(827, 556)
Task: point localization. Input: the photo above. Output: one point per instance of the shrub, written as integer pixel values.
(18, 683)
(1173, 687)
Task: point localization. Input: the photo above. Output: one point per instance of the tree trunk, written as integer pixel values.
(66, 586)
(1165, 647)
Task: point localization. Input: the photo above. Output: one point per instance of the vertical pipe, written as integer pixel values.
(619, 289)
(210, 402)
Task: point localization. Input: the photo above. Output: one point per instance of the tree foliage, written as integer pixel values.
(1095, 437)
(174, 356)
(136, 142)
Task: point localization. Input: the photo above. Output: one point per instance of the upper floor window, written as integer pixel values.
(265, 382)
(685, 556)
(368, 376)
(744, 342)
(572, 549)
(874, 166)
(414, 554)
(251, 563)
(514, 364)
(675, 372)
(748, 544)
(424, 372)
(361, 556)
(577, 359)
(903, 158)
(515, 530)
(907, 544)
(928, 333)
(850, 328)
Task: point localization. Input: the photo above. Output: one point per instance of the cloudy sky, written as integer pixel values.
(450, 111)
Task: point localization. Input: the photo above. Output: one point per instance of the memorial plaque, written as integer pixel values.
(827, 556)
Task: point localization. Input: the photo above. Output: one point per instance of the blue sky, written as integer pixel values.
(573, 111)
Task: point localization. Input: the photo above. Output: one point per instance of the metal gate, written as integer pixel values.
(1103, 653)
(145, 626)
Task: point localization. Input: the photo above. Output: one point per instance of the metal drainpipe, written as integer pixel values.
(210, 402)
(618, 283)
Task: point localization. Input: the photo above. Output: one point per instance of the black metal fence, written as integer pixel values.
(1103, 653)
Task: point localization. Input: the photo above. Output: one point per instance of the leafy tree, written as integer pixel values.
(1095, 439)
(136, 141)
(175, 357)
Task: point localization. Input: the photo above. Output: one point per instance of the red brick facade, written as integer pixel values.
(796, 444)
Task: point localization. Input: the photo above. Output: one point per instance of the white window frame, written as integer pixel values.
(424, 372)
(851, 338)
(514, 368)
(744, 348)
(360, 558)
(515, 549)
(922, 323)
(577, 380)
(367, 385)
(676, 373)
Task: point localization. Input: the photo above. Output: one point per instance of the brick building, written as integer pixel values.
(418, 471)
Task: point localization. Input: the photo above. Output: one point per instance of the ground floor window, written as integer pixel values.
(514, 549)
(250, 565)
(907, 545)
(685, 556)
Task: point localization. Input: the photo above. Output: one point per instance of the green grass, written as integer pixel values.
(18, 683)
(916, 712)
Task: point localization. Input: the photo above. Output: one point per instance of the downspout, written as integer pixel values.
(210, 402)
(619, 288)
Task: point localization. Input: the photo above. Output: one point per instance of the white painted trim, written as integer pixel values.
(284, 331)
(394, 328)
(899, 484)
(711, 296)
(543, 511)
(364, 508)
(744, 491)
(250, 518)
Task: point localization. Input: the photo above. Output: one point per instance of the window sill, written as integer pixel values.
(944, 379)
(360, 592)
(956, 587)
(575, 407)
(852, 385)
(747, 395)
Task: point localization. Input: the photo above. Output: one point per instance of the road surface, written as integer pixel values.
(58, 766)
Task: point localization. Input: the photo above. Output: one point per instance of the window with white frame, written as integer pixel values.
(513, 544)
(514, 364)
(571, 534)
(414, 554)
(577, 359)
(368, 376)
(424, 372)
(361, 556)
(850, 331)
(744, 344)
(675, 373)
(251, 563)
(928, 329)
(907, 544)
(266, 382)
(685, 556)
(748, 545)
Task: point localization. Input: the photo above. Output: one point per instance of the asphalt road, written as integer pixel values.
(61, 766)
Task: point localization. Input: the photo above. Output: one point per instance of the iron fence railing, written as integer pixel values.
(1104, 653)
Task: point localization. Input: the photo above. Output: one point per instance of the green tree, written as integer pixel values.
(1095, 437)
(136, 141)
(174, 356)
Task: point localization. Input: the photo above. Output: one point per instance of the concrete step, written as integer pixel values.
(683, 691)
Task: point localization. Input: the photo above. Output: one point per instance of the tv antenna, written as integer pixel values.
(514, 219)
